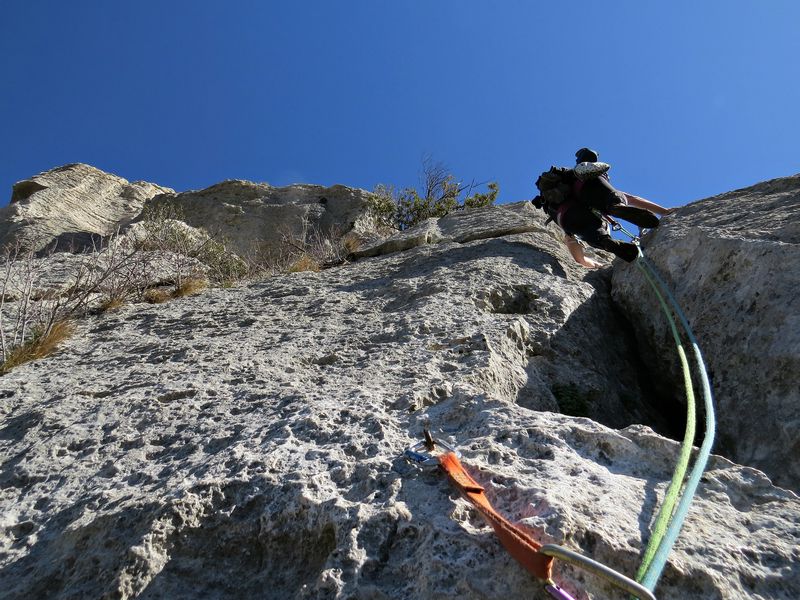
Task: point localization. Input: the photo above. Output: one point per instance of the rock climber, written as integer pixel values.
(578, 193)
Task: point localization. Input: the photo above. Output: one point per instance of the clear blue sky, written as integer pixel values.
(684, 99)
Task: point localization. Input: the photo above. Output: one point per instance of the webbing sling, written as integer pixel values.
(536, 558)
(518, 543)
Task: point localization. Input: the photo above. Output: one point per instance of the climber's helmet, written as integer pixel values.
(586, 155)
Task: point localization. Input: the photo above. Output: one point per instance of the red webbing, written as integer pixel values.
(518, 543)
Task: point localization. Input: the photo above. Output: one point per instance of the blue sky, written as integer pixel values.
(684, 99)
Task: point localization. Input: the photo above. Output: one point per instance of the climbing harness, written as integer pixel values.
(536, 558)
(616, 226)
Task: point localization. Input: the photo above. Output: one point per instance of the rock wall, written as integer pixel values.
(71, 208)
(65, 208)
(247, 442)
(256, 217)
(734, 265)
(464, 226)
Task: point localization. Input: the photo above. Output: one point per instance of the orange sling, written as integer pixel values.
(518, 543)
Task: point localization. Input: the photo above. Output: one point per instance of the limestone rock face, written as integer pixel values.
(252, 216)
(462, 226)
(63, 273)
(734, 265)
(66, 207)
(247, 442)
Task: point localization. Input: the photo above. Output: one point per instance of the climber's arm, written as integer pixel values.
(647, 205)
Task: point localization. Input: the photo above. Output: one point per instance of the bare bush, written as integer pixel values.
(309, 248)
(19, 281)
(123, 270)
(168, 235)
(35, 307)
(267, 260)
(33, 318)
(306, 247)
(166, 232)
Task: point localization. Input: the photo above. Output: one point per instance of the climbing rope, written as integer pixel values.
(670, 519)
(673, 491)
(653, 571)
(616, 226)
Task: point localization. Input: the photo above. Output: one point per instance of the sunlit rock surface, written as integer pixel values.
(256, 217)
(70, 208)
(733, 262)
(246, 442)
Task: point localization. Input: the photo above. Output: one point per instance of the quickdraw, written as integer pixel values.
(535, 557)
(616, 226)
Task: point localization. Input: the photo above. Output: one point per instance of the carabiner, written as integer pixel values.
(427, 460)
(556, 592)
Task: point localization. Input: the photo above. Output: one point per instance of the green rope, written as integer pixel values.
(654, 562)
(671, 496)
(615, 226)
(654, 570)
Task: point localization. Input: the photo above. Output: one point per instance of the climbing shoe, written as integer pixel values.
(638, 216)
(625, 250)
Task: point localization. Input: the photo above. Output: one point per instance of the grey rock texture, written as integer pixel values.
(69, 207)
(63, 273)
(76, 207)
(255, 216)
(733, 262)
(246, 443)
(462, 226)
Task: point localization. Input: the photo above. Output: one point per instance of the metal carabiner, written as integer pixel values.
(427, 460)
(634, 588)
(556, 592)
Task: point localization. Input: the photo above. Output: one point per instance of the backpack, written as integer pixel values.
(555, 187)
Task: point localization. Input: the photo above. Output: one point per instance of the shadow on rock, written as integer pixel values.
(594, 369)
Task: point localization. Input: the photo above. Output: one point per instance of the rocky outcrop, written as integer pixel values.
(70, 208)
(256, 217)
(734, 265)
(464, 226)
(247, 442)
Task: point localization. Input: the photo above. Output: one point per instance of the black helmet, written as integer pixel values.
(586, 155)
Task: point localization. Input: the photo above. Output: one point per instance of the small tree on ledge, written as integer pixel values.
(440, 193)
